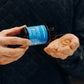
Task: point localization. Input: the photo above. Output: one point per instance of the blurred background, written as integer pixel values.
(76, 81)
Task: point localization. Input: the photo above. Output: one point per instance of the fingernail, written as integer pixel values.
(24, 26)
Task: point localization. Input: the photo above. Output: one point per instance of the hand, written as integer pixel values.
(8, 55)
(63, 47)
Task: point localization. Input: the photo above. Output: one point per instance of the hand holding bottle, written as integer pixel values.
(63, 47)
(8, 55)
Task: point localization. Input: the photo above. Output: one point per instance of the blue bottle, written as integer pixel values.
(38, 35)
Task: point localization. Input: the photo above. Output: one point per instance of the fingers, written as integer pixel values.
(13, 52)
(55, 53)
(14, 41)
(68, 36)
(8, 55)
(13, 31)
(66, 51)
(70, 40)
(63, 47)
(75, 44)
(54, 44)
(6, 60)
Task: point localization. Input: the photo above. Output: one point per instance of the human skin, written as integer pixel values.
(59, 48)
(8, 55)
(63, 47)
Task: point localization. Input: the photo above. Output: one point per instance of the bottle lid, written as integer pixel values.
(24, 33)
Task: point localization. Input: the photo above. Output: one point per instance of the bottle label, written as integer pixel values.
(37, 34)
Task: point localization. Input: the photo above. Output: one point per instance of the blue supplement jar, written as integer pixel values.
(38, 35)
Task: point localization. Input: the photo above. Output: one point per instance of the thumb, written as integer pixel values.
(13, 31)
